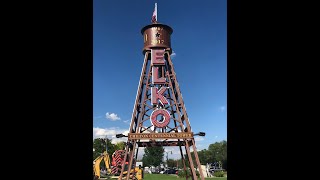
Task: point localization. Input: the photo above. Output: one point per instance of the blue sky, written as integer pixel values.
(199, 42)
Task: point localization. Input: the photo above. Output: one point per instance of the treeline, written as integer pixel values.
(216, 152)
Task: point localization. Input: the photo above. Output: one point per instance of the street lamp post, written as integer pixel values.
(106, 139)
(167, 157)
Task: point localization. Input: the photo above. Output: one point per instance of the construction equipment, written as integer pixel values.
(117, 163)
(96, 165)
(114, 169)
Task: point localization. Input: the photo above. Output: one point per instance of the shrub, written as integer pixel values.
(218, 173)
(182, 173)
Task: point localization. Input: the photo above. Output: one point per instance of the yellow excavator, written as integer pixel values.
(105, 157)
(96, 165)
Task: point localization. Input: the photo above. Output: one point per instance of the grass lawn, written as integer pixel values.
(173, 177)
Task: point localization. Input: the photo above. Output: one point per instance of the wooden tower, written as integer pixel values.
(159, 116)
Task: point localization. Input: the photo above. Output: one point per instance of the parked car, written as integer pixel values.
(170, 171)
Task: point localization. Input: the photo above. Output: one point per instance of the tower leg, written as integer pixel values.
(193, 172)
(197, 159)
(130, 161)
(173, 81)
(172, 101)
(183, 161)
(134, 119)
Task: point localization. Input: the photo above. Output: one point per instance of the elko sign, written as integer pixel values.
(157, 59)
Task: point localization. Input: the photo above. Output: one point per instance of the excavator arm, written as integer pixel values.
(106, 159)
(96, 164)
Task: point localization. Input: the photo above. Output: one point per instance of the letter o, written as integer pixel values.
(162, 112)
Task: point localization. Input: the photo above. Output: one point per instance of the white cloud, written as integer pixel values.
(198, 138)
(127, 121)
(216, 137)
(110, 133)
(124, 139)
(222, 108)
(173, 54)
(112, 116)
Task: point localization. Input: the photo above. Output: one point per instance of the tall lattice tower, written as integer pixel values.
(159, 116)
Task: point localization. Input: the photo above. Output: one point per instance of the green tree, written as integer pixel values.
(180, 163)
(203, 156)
(193, 160)
(152, 156)
(187, 159)
(216, 152)
(99, 146)
(172, 163)
(120, 145)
